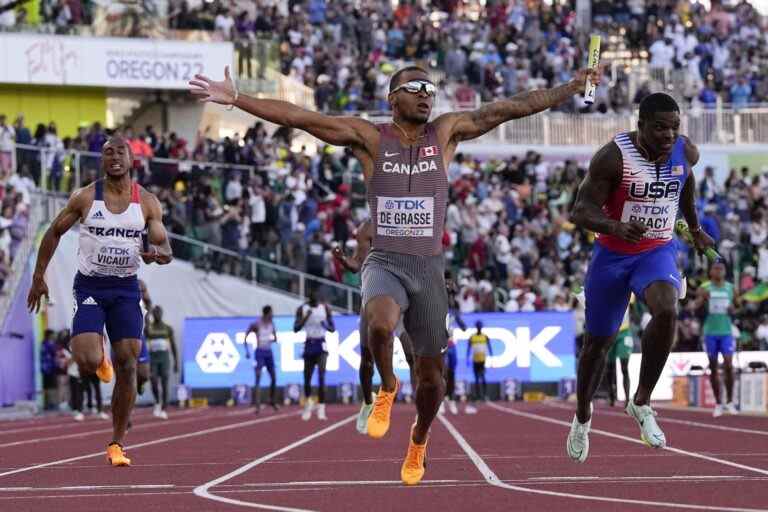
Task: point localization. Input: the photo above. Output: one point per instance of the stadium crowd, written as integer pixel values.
(346, 51)
(508, 238)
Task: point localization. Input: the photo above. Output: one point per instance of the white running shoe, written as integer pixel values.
(577, 444)
(362, 418)
(157, 410)
(718, 411)
(730, 408)
(650, 432)
(452, 407)
(321, 412)
(470, 409)
(162, 415)
(78, 416)
(103, 415)
(307, 414)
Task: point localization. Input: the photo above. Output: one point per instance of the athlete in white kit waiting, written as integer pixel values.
(266, 335)
(315, 318)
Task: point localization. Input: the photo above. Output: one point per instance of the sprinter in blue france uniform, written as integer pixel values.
(113, 213)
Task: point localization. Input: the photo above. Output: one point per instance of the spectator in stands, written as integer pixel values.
(49, 370)
(95, 138)
(7, 16)
(244, 36)
(225, 23)
(710, 223)
(708, 96)
(7, 149)
(761, 334)
(741, 93)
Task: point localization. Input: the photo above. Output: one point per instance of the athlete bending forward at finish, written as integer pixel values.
(113, 212)
(630, 198)
(405, 166)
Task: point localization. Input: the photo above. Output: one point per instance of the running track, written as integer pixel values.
(510, 456)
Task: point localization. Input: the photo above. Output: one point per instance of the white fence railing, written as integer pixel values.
(701, 125)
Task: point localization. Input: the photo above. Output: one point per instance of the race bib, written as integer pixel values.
(115, 260)
(405, 216)
(158, 345)
(719, 301)
(659, 218)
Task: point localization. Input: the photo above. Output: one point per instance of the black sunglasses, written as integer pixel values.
(416, 86)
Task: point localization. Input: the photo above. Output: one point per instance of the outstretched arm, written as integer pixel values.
(338, 131)
(472, 124)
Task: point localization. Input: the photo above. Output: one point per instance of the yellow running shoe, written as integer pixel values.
(414, 464)
(105, 372)
(116, 455)
(378, 421)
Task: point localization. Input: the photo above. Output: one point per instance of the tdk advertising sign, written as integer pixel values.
(525, 346)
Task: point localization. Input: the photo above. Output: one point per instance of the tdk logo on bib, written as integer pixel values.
(405, 204)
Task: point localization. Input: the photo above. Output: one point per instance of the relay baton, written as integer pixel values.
(594, 61)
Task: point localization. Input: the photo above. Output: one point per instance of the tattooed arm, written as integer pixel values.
(460, 126)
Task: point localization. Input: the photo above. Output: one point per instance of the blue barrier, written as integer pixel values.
(527, 347)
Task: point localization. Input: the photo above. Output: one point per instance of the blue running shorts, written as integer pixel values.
(613, 276)
(719, 344)
(111, 302)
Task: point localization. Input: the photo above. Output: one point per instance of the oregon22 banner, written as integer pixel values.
(525, 346)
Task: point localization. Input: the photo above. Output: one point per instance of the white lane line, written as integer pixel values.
(333, 483)
(252, 488)
(494, 480)
(203, 490)
(186, 493)
(66, 421)
(159, 423)
(641, 478)
(277, 486)
(666, 419)
(153, 442)
(87, 488)
(630, 439)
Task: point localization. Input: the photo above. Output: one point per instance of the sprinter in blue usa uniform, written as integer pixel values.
(630, 198)
(113, 213)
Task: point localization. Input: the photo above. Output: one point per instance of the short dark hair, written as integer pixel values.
(395, 80)
(657, 102)
(266, 310)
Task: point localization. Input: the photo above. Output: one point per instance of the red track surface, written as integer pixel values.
(507, 457)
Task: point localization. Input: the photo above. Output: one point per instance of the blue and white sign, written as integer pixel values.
(526, 347)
